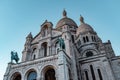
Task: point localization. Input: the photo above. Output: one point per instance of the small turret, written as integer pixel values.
(29, 38)
(29, 35)
(27, 47)
(28, 41)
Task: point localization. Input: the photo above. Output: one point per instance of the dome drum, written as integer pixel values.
(65, 21)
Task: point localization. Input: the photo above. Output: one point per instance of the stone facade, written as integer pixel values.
(85, 56)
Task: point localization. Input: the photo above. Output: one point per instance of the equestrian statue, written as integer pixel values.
(61, 43)
(14, 56)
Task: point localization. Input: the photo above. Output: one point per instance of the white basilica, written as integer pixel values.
(84, 56)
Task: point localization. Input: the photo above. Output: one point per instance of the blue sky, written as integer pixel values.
(19, 17)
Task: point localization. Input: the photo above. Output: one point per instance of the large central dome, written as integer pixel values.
(65, 20)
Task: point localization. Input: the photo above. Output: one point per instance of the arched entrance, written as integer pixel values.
(50, 74)
(32, 75)
(16, 76)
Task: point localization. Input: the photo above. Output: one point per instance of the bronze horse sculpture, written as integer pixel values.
(14, 56)
(61, 43)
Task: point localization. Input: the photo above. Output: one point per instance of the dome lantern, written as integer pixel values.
(65, 21)
(81, 19)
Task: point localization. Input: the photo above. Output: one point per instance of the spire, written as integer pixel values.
(30, 35)
(64, 13)
(81, 19)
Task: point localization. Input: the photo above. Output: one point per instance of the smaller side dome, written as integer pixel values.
(84, 27)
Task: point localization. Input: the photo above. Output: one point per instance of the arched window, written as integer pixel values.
(44, 48)
(56, 47)
(34, 50)
(34, 53)
(50, 74)
(72, 38)
(86, 75)
(87, 39)
(79, 42)
(34, 56)
(32, 76)
(16, 76)
(99, 73)
(89, 53)
(92, 72)
(45, 31)
(84, 40)
(93, 38)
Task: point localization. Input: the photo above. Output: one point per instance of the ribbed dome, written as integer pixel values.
(84, 27)
(67, 21)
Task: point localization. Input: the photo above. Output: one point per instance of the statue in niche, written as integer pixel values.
(14, 56)
(61, 43)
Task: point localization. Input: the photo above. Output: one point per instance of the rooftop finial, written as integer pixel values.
(64, 13)
(81, 19)
(46, 20)
(29, 35)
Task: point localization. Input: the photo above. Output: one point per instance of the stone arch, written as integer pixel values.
(46, 28)
(28, 73)
(34, 51)
(103, 72)
(46, 24)
(47, 69)
(50, 74)
(33, 54)
(54, 49)
(16, 76)
(54, 41)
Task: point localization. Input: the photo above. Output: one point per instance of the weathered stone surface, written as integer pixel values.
(43, 53)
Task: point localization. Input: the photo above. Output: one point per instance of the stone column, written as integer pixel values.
(62, 66)
(38, 78)
(23, 77)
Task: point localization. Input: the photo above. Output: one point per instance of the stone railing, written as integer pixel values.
(36, 61)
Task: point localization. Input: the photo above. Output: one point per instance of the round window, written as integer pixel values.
(88, 54)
